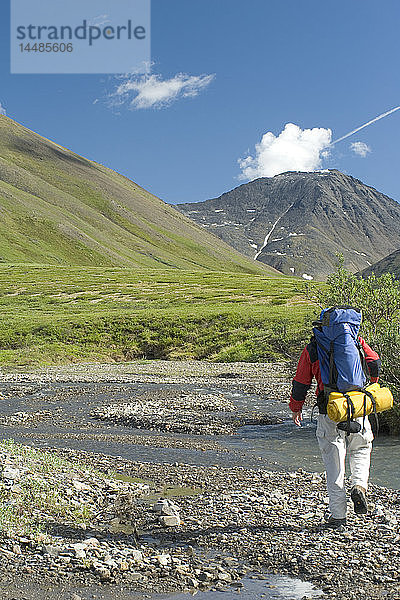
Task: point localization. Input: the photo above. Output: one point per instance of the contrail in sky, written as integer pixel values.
(382, 116)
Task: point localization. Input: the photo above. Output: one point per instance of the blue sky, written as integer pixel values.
(255, 66)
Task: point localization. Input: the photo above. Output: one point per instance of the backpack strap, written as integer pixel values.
(349, 426)
(364, 411)
(350, 412)
(370, 396)
(363, 361)
(333, 374)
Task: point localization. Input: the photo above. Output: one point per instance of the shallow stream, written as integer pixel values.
(277, 447)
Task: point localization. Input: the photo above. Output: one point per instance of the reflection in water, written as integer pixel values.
(273, 587)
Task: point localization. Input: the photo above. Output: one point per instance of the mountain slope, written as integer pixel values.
(297, 222)
(58, 208)
(389, 264)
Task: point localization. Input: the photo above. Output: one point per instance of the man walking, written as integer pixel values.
(335, 357)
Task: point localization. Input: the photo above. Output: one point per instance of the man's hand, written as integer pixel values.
(297, 418)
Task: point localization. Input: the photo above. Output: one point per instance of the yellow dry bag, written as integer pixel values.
(376, 399)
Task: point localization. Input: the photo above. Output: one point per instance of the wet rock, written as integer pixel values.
(204, 576)
(104, 573)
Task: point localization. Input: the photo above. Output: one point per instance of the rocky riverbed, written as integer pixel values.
(66, 521)
(180, 412)
(103, 522)
(231, 523)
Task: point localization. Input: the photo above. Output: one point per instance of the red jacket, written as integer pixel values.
(308, 368)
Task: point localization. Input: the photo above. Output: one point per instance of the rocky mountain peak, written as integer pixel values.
(297, 222)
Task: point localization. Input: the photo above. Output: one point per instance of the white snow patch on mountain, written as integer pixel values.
(272, 230)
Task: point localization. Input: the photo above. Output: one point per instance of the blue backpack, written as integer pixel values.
(340, 354)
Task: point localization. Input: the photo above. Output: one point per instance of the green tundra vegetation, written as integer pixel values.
(52, 314)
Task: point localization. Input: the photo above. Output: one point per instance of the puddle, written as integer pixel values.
(272, 587)
(127, 479)
(167, 491)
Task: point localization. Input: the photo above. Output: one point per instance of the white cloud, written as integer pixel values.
(294, 149)
(360, 148)
(2, 109)
(151, 91)
(100, 20)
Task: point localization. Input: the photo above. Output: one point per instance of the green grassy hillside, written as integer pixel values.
(59, 208)
(60, 314)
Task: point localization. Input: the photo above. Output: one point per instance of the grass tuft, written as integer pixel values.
(38, 496)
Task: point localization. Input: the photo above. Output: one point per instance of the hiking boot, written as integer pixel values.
(327, 515)
(358, 495)
(333, 523)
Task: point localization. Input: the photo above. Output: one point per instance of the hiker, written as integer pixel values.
(343, 360)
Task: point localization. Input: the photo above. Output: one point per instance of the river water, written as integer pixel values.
(277, 447)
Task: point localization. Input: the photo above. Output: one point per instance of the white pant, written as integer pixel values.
(334, 444)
